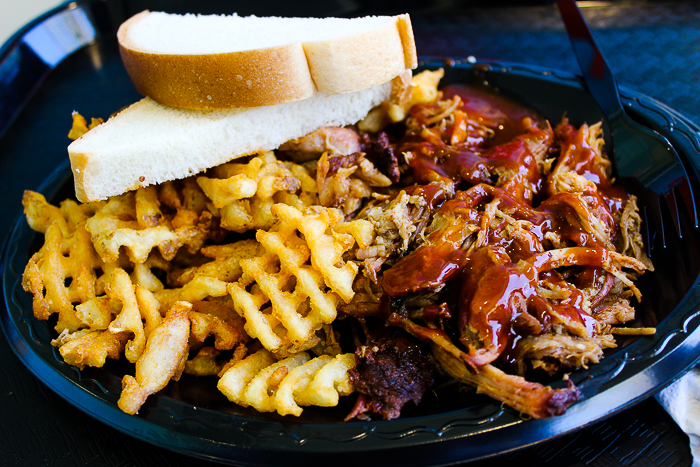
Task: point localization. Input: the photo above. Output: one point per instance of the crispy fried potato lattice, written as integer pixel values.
(163, 359)
(62, 272)
(286, 385)
(293, 277)
(243, 193)
(135, 222)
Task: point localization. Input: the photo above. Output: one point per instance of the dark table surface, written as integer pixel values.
(653, 48)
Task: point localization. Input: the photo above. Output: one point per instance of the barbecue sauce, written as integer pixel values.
(499, 280)
(506, 156)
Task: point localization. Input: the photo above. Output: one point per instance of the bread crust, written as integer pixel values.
(407, 41)
(273, 75)
(79, 161)
(359, 61)
(250, 78)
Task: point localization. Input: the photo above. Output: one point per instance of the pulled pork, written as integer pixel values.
(511, 254)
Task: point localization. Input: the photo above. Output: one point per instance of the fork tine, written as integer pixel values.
(670, 198)
(686, 192)
(646, 231)
(655, 208)
(640, 152)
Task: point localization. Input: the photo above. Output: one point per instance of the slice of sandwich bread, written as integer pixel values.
(217, 62)
(150, 143)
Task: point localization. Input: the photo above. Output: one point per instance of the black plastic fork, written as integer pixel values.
(643, 158)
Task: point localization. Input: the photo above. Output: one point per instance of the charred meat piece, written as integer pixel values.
(390, 372)
(383, 155)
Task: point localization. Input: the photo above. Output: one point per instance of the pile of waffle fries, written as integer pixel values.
(148, 276)
(151, 276)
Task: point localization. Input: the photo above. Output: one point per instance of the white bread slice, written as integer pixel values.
(215, 62)
(149, 143)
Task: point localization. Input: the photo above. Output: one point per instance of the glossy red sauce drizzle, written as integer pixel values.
(500, 279)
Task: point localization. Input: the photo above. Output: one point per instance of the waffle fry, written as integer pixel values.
(302, 311)
(147, 206)
(106, 277)
(307, 181)
(260, 392)
(129, 319)
(226, 333)
(241, 184)
(284, 386)
(41, 214)
(236, 378)
(80, 126)
(326, 250)
(262, 176)
(91, 348)
(221, 307)
(244, 193)
(139, 243)
(144, 277)
(204, 363)
(149, 308)
(225, 265)
(196, 290)
(163, 359)
(97, 313)
(169, 196)
(361, 230)
(297, 380)
(126, 321)
(329, 383)
(243, 215)
(239, 354)
(62, 259)
(423, 89)
(135, 222)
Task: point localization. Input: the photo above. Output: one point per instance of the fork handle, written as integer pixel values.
(596, 73)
